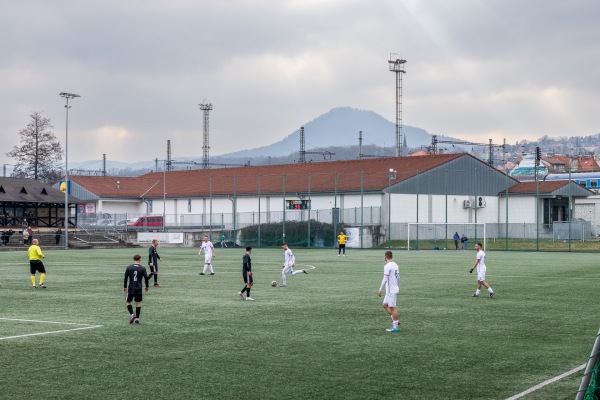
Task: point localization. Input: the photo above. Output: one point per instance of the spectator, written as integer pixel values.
(25, 236)
(8, 235)
(30, 234)
(465, 241)
(456, 238)
(57, 235)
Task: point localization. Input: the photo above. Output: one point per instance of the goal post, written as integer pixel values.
(439, 236)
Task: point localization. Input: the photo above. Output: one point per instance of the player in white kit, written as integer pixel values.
(481, 268)
(209, 252)
(391, 281)
(288, 265)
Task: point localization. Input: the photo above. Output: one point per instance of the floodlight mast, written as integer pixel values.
(205, 147)
(397, 66)
(67, 96)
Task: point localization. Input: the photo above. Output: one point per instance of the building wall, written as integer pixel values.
(521, 209)
(588, 209)
(429, 208)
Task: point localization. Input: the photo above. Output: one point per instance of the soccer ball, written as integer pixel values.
(274, 283)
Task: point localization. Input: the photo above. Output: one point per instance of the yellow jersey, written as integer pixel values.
(342, 239)
(35, 253)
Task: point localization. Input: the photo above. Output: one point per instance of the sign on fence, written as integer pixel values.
(163, 237)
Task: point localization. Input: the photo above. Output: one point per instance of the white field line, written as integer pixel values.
(545, 383)
(81, 327)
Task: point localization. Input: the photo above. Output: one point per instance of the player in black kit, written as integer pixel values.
(247, 274)
(134, 273)
(153, 258)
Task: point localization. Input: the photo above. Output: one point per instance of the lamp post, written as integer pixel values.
(391, 175)
(67, 96)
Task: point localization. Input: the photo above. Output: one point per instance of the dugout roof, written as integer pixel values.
(29, 192)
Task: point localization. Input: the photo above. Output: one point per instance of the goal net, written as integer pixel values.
(440, 236)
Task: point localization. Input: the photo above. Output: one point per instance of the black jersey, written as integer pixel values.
(153, 256)
(134, 273)
(246, 264)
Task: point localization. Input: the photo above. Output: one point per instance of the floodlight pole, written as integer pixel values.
(67, 96)
(397, 66)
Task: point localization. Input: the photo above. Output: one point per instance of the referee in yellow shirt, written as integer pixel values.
(35, 263)
(342, 241)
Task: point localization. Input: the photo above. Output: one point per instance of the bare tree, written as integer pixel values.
(39, 153)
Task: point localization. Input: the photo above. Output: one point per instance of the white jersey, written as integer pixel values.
(391, 278)
(481, 257)
(207, 247)
(289, 259)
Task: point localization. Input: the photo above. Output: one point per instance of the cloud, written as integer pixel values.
(475, 68)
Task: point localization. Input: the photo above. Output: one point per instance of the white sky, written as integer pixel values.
(476, 69)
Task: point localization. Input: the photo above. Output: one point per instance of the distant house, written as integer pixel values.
(587, 163)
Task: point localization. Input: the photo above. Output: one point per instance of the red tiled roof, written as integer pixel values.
(117, 186)
(587, 164)
(220, 181)
(545, 187)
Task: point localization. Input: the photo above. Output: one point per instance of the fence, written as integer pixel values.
(379, 206)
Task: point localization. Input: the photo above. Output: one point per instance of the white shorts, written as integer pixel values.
(287, 270)
(207, 259)
(481, 275)
(390, 299)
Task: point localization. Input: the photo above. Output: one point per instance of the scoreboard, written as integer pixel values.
(297, 204)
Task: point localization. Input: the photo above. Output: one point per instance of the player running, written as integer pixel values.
(391, 281)
(288, 265)
(153, 258)
(134, 273)
(481, 268)
(209, 252)
(35, 263)
(247, 275)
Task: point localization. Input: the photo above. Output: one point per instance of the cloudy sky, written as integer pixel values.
(476, 69)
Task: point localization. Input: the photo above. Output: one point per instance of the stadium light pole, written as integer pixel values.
(67, 96)
(391, 175)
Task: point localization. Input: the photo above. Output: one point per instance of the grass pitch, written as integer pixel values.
(322, 337)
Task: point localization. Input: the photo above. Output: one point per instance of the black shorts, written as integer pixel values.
(137, 297)
(247, 278)
(36, 266)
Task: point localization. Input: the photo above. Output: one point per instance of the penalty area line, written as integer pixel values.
(545, 383)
